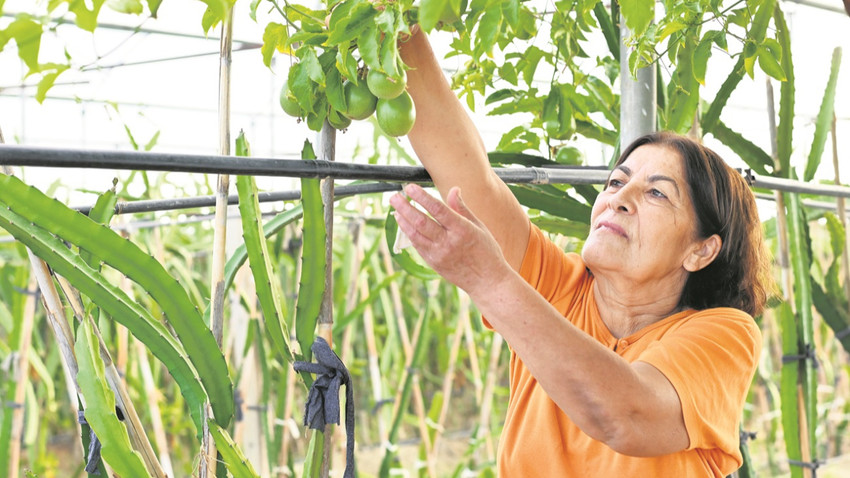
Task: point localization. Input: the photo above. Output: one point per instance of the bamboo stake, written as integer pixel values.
(356, 260)
(488, 395)
(448, 381)
(63, 335)
(418, 402)
(208, 462)
(153, 397)
(21, 376)
(135, 430)
(372, 361)
(248, 432)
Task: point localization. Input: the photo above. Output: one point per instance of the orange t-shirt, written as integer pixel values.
(709, 356)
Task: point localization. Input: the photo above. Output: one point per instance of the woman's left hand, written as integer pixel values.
(452, 240)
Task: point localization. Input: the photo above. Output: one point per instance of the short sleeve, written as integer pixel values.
(553, 273)
(710, 359)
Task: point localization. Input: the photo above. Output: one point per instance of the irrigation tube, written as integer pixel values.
(133, 160)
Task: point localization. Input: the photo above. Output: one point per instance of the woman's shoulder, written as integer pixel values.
(546, 263)
(721, 322)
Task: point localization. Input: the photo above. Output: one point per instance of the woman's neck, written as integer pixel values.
(625, 309)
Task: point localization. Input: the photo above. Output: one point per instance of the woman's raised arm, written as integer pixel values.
(448, 144)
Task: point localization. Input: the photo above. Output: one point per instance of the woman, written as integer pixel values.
(633, 359)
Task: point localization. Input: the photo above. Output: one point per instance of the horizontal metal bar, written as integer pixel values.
(212, 164)
(194, 163)
(792, 186)
(155, 205)
(253, 166)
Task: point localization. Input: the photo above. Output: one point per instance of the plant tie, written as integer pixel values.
(323, 399)
(808, 354)
(94, 446)
(745, 435)
(811, 465)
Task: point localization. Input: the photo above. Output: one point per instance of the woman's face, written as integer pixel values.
(643, 224)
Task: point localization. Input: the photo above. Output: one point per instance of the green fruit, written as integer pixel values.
(361, 102)
(384, 87)
(288, 103)
(397, 115)
(338, 120)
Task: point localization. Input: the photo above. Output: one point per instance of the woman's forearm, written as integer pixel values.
(630, 407)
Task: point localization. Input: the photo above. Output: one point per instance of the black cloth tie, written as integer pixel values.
(94, 447)
(323, 399)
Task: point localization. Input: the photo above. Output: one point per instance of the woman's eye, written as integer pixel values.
(658, 194)
(614, 183)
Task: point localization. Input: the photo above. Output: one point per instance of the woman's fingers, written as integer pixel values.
(413, 222)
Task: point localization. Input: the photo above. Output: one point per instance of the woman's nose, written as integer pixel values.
(623, 200)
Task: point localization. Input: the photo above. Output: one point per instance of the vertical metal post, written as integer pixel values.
(638, 101)
(327, 152)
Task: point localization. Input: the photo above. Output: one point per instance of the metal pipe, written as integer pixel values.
(210, 164)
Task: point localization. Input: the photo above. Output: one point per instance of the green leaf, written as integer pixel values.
(275, 37)
(754, 156)
(109, 247)
(403, 257)
(561, 226)
(836, 318)
(311, 284)
(112, 300)
(101, 213)
(132, 7)
(788, 388)
(265, 278)
(233, 458)
(712, 116)
(153, 6)
(700, 59)
(638, 14)
(85, 18)
(784, 131)
(27, 35)
(683, 92)
(47, 81)
(346, 24)
(311, 66)
(215, 13)
(824, 118)
(367, 44)
(488, 29)
(549, 199)
(301, 87)
(769, 64)
(799, 245)
(611, 33)
(333, 79)
(116, 449)
(430, 12)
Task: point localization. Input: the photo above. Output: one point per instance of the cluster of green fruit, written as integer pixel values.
(380, 94)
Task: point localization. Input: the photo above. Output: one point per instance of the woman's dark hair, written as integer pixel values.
(740, 275)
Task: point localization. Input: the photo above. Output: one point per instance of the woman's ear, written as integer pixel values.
(704, 253)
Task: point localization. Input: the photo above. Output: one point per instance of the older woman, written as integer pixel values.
(632, 359)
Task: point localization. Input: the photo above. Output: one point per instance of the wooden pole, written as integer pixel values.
(208, 462)
(327, 152)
